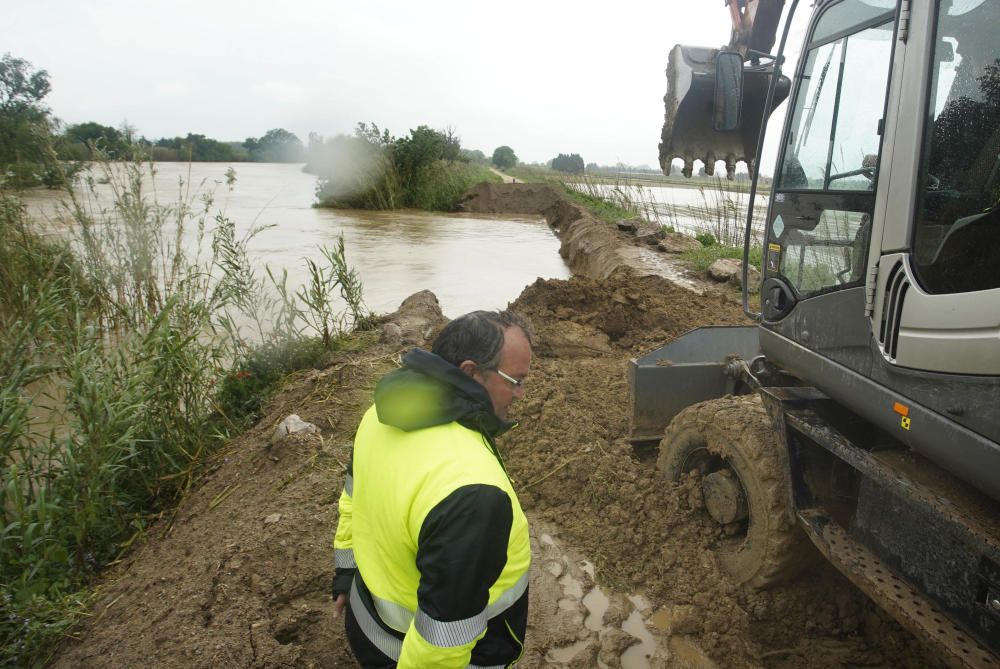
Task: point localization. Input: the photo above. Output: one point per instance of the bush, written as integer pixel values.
(373, 170)
(706, 238)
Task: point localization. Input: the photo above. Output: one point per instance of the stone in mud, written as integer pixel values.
(731, 270)
(628, 225)
(391, 334)
(725, 269)
(417, 319)
(676, 242)
(292, 425)
(649, 233)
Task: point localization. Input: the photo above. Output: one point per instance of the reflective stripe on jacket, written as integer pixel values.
(432, 524)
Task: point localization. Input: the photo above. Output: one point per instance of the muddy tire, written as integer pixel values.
(734, 436)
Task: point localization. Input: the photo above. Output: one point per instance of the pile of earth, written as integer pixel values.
(238, 575)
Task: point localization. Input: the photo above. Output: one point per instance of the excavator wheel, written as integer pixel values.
(730, 444)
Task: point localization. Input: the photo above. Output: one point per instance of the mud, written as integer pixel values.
(623, 572)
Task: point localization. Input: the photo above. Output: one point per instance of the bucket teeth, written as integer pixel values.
(688, 131)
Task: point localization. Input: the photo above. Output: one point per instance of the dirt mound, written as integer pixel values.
(627, 311)
(522, 198)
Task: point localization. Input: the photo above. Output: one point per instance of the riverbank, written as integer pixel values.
(622, 575)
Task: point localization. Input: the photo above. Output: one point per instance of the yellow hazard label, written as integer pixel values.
(905, 422)
(774, 247)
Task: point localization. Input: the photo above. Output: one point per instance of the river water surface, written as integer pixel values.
(470, 261)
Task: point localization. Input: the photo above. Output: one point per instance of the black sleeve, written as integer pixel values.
(461, 551)
(342, 579)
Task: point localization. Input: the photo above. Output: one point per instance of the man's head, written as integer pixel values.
(494, 348)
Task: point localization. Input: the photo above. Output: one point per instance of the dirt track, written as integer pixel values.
(240, 575)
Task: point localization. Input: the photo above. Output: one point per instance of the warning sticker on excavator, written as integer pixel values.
(778, 226)
(904, 414)
(773, 257)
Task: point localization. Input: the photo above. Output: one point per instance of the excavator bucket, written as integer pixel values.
(688, 125)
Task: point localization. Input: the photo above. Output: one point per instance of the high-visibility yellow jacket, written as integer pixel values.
(431, 523)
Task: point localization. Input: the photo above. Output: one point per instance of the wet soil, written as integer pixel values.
(623, 572)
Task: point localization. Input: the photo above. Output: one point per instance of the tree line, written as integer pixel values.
(370, 168)
(36, 148)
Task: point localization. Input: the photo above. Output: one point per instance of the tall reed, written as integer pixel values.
(141, 325)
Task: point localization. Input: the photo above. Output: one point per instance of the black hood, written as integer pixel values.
(427, 391)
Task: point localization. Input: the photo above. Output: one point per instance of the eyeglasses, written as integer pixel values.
(514, 382)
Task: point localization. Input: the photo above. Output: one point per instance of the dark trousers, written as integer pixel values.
(367, 655)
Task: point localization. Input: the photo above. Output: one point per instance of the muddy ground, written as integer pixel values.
(622, 575)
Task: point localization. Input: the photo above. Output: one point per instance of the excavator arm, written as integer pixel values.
(689, 129)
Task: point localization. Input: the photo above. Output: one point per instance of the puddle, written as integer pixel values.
(637, 656)
(596, 603)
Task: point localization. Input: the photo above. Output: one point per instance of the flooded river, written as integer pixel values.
(468, 261)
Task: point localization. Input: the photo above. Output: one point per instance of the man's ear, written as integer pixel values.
(469, 368)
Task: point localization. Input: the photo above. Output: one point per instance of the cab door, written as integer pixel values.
(820, 219)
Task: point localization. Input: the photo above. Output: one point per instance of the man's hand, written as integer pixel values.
(338, 605)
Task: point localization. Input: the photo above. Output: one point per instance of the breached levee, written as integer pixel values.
(590, 247)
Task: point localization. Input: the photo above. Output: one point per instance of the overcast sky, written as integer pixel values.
(545, 77)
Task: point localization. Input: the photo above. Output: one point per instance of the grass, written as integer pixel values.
(701, 259)
(162, 340)
(440, 185)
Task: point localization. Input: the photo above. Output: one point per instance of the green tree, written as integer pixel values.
(571, 163)
(81, 139)
(27, 156)
(373, 135)
(473, 156)
(504, 157)
(452, 144)
(424, 146)
(276, 146)
(194, 147)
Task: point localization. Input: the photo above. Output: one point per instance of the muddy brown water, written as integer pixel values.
(470, 261)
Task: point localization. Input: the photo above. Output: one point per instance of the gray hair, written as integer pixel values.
(478, 336)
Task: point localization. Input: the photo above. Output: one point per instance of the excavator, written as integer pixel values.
(860, 415)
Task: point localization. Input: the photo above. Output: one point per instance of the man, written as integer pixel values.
(432, 548)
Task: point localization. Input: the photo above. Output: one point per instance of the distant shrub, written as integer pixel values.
(706, 238)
